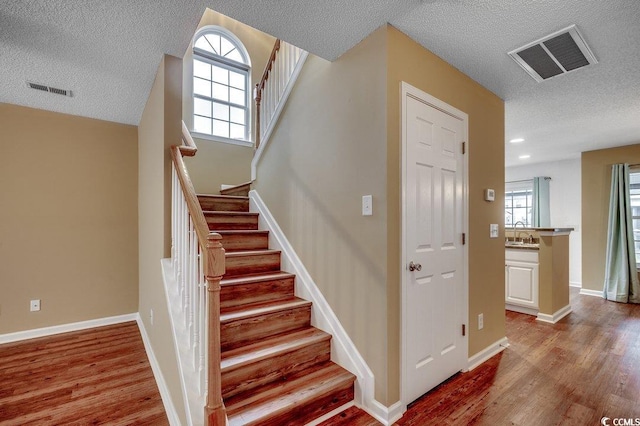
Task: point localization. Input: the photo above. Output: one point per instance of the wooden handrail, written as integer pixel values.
(269, 66)
(188, 147)
(214, 269)
(260, 87)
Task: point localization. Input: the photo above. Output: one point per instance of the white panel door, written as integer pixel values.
(435, 290)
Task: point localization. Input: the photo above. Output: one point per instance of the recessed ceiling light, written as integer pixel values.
(517, 140)
(524, 157)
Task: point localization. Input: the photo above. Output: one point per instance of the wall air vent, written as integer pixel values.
(45, 88)
(558, 53)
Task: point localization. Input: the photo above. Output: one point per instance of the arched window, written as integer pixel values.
(221, 69)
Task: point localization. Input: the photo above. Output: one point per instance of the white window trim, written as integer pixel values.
(634, 170)
(214, 138)
(246, 67)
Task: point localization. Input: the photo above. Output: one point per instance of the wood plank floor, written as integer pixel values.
(585, 367)
(94, 377)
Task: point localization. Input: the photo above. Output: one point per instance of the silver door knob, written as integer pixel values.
(415, 266)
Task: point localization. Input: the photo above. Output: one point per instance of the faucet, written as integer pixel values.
(515, 227)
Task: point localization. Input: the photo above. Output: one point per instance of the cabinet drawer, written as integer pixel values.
(522, 255)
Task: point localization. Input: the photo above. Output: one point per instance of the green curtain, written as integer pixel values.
(621, 282)
(541, 209)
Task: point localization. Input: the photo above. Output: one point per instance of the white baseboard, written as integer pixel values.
(588, 292)
(557, 316)
(575, 284)
(386, 415)
(520, 309)
(170, 409)
(487, 353)
(343, 350)
(66, 328)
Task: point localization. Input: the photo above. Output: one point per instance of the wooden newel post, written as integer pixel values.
(215, 414)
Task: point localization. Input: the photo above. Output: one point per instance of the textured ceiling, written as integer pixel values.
(591, 108)
(107, 53)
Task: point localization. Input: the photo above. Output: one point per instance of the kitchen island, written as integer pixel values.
(537, 272)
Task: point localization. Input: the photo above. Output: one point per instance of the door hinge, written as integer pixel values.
(464, 147)
(464, 329)
(464, 238)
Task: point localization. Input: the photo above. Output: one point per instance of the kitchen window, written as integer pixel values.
(519, 203)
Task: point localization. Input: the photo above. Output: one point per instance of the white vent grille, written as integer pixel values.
(45, 88)
(556, 54)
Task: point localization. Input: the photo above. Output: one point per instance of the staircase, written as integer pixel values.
(275, 367)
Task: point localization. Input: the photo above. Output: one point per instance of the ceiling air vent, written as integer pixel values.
(558, 53)
(49, 89)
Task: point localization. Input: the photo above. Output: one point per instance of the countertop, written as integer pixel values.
(542, 229)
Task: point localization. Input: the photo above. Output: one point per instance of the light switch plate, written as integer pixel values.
(493, 230)
(367, 205)
(35, 305)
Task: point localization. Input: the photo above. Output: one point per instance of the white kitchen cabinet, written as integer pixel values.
(521, 280)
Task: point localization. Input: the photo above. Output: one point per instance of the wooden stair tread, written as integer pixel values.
(228, 213)
(223, 197)
(258, 405)
(248, 311)
(241, 188)
(277, 345)
(255, 278)
(239, 253)
(242, 231)
(352, 416)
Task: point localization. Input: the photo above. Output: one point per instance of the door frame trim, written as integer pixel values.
(408, 90)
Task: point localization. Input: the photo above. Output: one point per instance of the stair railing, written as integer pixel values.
(199, 264)
(271, 92)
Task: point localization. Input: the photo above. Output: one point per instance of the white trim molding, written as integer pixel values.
(487, 353)
(66, 328)
(576, 284)
(588, 292)
(386, 415)
(169, 408)
(343, 350)
(521, 309)
(557, 316)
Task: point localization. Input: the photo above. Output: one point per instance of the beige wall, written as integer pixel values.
(329, 150)
(159, 128)
(553, 273)
(339, 139)
(408, 61)
(68, 218)
(596, 187)
(217, 162)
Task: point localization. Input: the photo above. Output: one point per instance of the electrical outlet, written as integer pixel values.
(151, 316)
(35, 305)
(480, 321)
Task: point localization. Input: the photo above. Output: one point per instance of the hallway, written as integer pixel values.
(585, 367)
